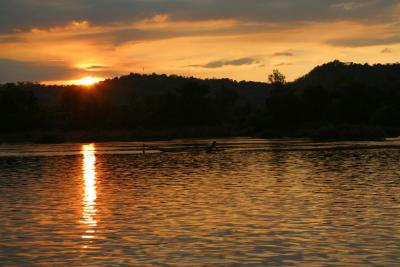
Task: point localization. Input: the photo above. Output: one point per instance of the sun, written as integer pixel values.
(88, 81)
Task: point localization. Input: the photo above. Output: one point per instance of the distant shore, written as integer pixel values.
(323, 134)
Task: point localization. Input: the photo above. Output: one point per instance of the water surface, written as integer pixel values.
(256, 203)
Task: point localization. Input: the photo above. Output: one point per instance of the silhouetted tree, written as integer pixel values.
(276, 78)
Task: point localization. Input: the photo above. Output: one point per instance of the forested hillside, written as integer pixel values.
(336, 100)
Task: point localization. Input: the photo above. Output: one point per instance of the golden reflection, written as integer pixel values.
(89, 196)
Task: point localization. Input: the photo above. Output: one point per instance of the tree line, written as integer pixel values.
(349, 109)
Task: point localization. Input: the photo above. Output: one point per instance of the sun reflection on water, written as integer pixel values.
(89, 195)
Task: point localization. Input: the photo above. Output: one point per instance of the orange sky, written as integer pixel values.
(217, 45)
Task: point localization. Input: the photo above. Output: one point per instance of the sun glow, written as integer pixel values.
(88, 81)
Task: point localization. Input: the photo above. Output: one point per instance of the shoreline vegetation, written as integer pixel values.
(323, 134)
(334, 102)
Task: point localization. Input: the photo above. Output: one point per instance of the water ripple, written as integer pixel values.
(252, 207)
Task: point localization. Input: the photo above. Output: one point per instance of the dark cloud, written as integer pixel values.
(11, 71)
(235, 62)
(96, 68)
(387, 51)
(23, 14)
(117, 37)
(283, 54)
(9, 39)
(283, 64)
(369, 41)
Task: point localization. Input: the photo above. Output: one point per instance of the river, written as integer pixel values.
(253, 202)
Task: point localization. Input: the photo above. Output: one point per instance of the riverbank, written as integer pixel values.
(323, 134)
(81, 136)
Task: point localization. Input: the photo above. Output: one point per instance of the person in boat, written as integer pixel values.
(211, 147)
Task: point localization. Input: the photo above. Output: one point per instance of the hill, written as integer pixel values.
(120, 90)
(335, 100)
(334, 74)
(144, 85)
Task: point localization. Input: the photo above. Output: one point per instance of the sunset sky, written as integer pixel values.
(60, 41)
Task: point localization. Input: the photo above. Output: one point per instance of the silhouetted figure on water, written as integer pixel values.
(211, 147)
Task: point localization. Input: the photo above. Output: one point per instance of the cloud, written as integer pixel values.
(365, 41)
(55, 70)
(26, 14)
(283, 64)
(349, 6)
(387, 51)
(283, 54)
(223, 63)
(9, 39)
(12, 70)
(96, 67)
(152, 29)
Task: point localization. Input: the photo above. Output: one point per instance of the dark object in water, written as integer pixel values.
(211, 147)
(144, 149)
